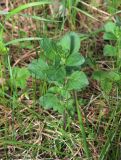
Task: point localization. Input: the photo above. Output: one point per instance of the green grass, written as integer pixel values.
(28, 131)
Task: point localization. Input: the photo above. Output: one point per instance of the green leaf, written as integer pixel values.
(109, 36)
(106, 86)
(49, 101)
(20, 76)
(110, 27)
(70, 42)
(60, 91)
(75, 59)
(56, 74)
(111, 76)
(99, 75)
(78, 80)
(37, 68)
(47, 46)
(110, 51)
(52, 50)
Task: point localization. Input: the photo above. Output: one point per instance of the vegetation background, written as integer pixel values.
(28, 130)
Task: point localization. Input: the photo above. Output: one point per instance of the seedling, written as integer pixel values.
(59, 67)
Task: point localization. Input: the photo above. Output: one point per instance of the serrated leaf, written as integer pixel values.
(99, 75)
(60, 91)
(113, 76)
(75, 59)
(110, 27)
(106, 75)
(109, 36)
(52, 50)
(20, 76)
(50, 101)
(70, 42)
(78, 80)
(47, 46)
(110, 51)
(56, 74)
(37, 68)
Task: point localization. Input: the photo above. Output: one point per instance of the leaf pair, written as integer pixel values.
(41, 70)
(65, 51)
(70, 42)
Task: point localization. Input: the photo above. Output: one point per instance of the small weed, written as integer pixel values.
(60, 67)
(112, 77)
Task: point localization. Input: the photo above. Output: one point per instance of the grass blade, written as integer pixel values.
(25, 6)
(38, 18)
(85, 13)
(23, 39)
(109, 141)
(86, 148)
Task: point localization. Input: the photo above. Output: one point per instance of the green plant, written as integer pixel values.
(59, 66)
(107, 79)
(113, 35)
(112, 50)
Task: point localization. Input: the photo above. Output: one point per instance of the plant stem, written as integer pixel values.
(64, 120)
